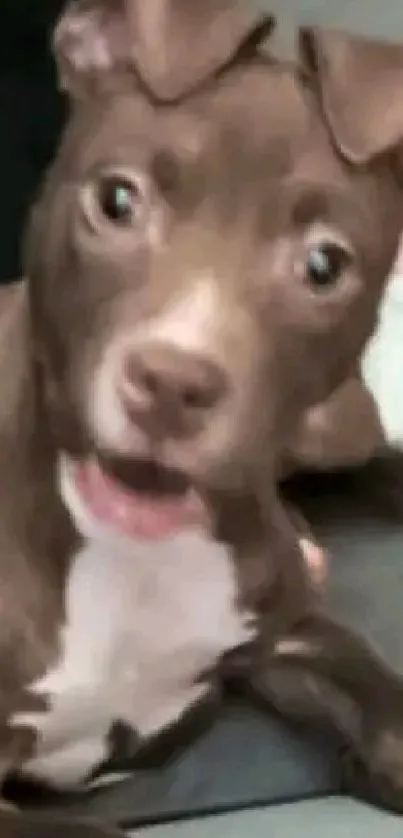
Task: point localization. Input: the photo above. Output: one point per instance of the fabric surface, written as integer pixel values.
(332, 818)
(250, 758)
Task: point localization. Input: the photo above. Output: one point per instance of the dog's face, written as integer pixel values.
(204, 269)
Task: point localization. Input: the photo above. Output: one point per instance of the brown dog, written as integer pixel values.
(205, 266)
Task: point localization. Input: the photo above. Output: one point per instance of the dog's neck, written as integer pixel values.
(31, 512)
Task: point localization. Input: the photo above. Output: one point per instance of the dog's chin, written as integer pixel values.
(138, 499)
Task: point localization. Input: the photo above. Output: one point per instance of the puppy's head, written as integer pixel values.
(211, 246)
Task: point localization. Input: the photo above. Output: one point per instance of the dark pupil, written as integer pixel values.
(325, 264)
(116, 199)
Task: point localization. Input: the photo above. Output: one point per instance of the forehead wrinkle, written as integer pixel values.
(238, 172)
(232, 157)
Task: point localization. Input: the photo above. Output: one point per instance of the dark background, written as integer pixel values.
(31, 115)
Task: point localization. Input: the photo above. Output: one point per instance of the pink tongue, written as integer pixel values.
(133, 513)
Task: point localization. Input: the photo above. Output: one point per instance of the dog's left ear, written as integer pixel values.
(172, 45)
(360, 85)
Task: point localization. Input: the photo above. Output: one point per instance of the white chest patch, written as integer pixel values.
(142, 621)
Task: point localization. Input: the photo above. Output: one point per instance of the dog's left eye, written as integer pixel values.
(325, 264)
(119, 200)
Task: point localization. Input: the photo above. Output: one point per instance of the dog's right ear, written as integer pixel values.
(171, 45)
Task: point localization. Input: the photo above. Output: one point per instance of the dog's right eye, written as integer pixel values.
(119, 200)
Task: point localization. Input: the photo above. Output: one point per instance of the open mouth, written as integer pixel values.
(141, 499)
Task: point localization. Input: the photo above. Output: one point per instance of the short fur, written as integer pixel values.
(238, 166)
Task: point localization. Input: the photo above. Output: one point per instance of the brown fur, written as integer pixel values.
(239, 156)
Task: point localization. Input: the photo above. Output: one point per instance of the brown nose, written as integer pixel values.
(168, 389)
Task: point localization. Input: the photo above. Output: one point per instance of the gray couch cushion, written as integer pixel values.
(330, 818)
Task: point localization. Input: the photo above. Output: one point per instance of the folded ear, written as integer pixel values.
(172, 45)
(360, 85)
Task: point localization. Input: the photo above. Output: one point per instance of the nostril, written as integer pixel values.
(197, 398)
(192, 398)
(148, 382)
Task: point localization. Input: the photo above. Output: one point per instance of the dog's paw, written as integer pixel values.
(315, 556)
(316, 561)
(376, 774)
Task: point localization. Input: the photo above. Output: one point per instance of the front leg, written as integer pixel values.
(324, 670)
(17, 743)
